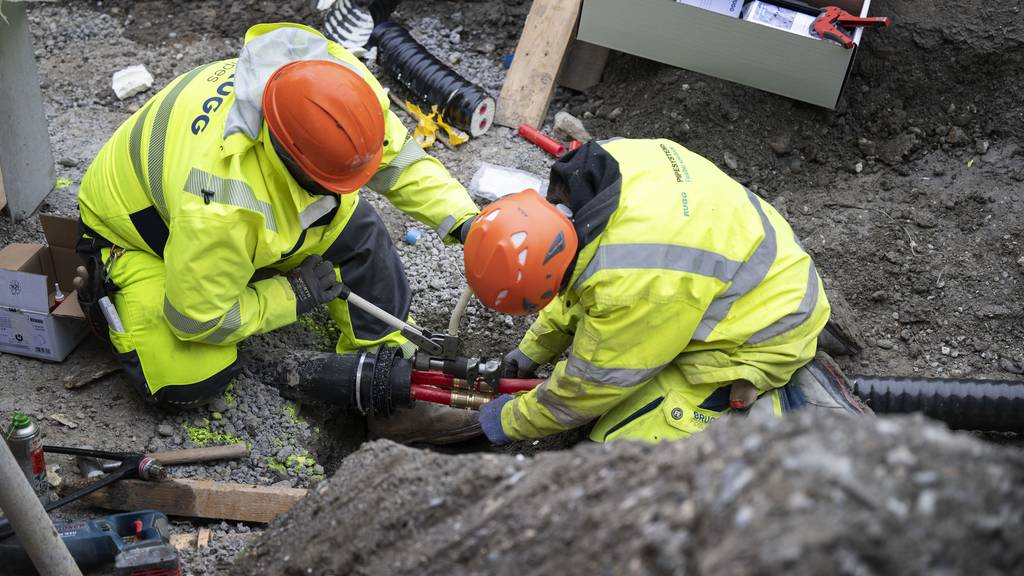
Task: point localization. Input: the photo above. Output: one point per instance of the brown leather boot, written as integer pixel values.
(428, 424)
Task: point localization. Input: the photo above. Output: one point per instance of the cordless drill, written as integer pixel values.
(136, 543)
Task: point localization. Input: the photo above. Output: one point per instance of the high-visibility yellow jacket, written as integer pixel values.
(197, 161)
(689, 268)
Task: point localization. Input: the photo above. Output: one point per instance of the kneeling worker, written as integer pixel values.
(243, 167)
(679, 294)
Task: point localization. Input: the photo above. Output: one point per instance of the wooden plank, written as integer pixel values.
(203, 539)
(198, 499)
(584, 66)
(542, 47)
(183, 542)
(193, 455)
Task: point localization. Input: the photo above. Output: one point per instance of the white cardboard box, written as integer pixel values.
(27, 275)
(727, 7)
(748, 53)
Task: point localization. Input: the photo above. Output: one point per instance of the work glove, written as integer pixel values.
(314, 283)
(490, 420)
(463, 232)
(515, 364)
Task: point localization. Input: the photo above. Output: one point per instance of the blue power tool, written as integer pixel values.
(135, 543)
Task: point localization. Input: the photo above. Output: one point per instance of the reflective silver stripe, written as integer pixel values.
(158, 139)
(446, 226)
(609, 140)
(135, 146)
(661, 257)
(749, 275)
(563, 414)
(795, 318)
(226, 191)
(317, 210)
(232, 322)
(385, 178)
(620, 377)
(183, 323)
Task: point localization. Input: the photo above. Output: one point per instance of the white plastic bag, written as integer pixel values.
(492, 182)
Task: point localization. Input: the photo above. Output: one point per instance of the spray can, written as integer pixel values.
(26, 443)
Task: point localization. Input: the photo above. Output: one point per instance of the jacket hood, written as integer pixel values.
(267, 48)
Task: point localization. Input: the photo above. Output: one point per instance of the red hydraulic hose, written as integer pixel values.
(514, 385)
(505, 385)
(431, 394)
(432, 378)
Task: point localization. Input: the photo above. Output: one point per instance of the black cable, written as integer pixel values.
(461, 103)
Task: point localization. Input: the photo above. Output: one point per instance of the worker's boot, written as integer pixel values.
(840, 336)
(821, 386)
(428, 424)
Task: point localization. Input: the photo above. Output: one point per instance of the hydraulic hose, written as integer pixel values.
(460, 310)
(461, 103)
(984, 405)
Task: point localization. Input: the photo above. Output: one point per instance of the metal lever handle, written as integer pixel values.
(418, 337)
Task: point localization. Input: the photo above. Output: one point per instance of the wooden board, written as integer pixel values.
(542, 47)
(198, 499)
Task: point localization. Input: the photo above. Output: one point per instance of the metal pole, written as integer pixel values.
(33, 526)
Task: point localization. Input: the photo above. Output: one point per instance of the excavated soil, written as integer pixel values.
(804, 496)
(909, 196)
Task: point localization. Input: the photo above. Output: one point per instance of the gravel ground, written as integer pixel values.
(755, 496)
(925, 148)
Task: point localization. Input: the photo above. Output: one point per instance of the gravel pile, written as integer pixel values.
(800, 496)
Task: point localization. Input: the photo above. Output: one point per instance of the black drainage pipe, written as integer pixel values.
(985, 405)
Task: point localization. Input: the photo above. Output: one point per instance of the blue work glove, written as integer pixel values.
(515, 364)
(490, 420)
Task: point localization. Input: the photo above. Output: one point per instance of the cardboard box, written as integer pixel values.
(748, 53)
(27, 275)
(727, 7)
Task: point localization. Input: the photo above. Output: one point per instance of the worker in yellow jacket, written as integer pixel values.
(679, 295)
(227, 206)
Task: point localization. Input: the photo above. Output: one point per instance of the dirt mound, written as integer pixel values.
(888, 496)
(908, 196)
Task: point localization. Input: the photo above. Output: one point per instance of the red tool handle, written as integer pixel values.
(542, 140)
(832, 21)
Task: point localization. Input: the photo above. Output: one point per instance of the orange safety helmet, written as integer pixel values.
(328, 120)
(517, 252)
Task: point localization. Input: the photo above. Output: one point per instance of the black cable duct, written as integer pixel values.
(461, 103)
(985, 405)
(371, 382)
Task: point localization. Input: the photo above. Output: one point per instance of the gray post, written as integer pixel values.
(31, 522)
(26, 160)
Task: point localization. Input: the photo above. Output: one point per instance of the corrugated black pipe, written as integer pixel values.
(984, 405)
(461, 103)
